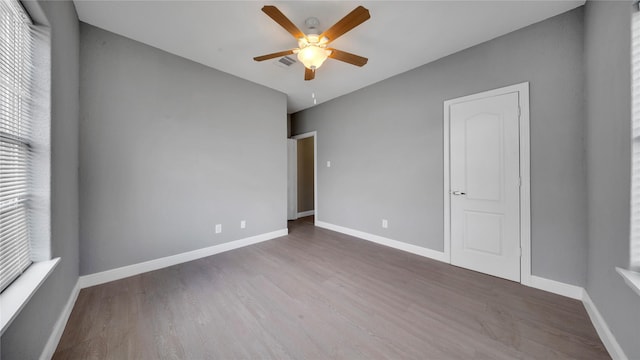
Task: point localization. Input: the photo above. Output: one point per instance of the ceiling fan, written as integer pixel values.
(312, 48)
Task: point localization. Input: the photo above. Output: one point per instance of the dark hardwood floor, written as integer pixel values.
(317, 294)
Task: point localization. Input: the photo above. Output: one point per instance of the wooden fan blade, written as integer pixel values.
(274, 55)
(279, 17)
(348, 57)
(353, 19)
(309, 74)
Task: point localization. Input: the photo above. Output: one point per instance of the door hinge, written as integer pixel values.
(520, 251)
(519, 181)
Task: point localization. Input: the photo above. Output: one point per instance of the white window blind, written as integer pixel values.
(16, 48)
(635, 133)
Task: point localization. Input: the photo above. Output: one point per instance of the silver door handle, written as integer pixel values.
(459, 193)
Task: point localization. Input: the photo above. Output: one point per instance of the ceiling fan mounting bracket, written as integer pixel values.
(312, 24)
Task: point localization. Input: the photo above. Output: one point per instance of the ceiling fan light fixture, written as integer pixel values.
(313, 56)
(313, 39)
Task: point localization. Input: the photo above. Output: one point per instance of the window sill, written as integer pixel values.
(632, 278)
(18, 294)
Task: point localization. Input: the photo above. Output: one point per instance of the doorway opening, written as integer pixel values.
(302, 180)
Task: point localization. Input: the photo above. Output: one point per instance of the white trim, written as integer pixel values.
(447, 182)
(552, 286)
(292, 179)
(414, 249)
(525, 185)
(313, 134)
(525, 173)
(609, 341)
(556, 287)
(632, 278)
(17, 295)
(578, 293)
(306, 213)
(61, 323)
(135, 269)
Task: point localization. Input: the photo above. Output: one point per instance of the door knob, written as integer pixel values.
(459, 193)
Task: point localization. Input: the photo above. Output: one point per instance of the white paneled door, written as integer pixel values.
(485, 185)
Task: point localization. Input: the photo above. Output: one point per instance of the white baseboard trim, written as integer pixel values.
(306, 213)
(609, 341)
(556, 287)
(61, 323)
(418, 250)
(579, 293)
(552, 286)
(135, 269)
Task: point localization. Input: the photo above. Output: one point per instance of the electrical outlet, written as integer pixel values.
(243, 224)
(218, 228)
(328, 163)
(385, 223)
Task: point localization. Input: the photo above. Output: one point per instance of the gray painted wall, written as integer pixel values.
(407, 122)
(608, 103)
(169, 148)
(29, 332)
(385, 144)
(305, 174)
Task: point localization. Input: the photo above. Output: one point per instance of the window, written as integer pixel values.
(635, 167)
(25, 157)
(16, 49)
(632, 275)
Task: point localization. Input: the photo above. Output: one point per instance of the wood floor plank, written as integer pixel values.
(320, 294)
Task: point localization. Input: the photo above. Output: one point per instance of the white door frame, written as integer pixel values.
(292, 179)
(313, 134)
(525, 173)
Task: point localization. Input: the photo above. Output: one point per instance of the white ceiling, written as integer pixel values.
(401, 35)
